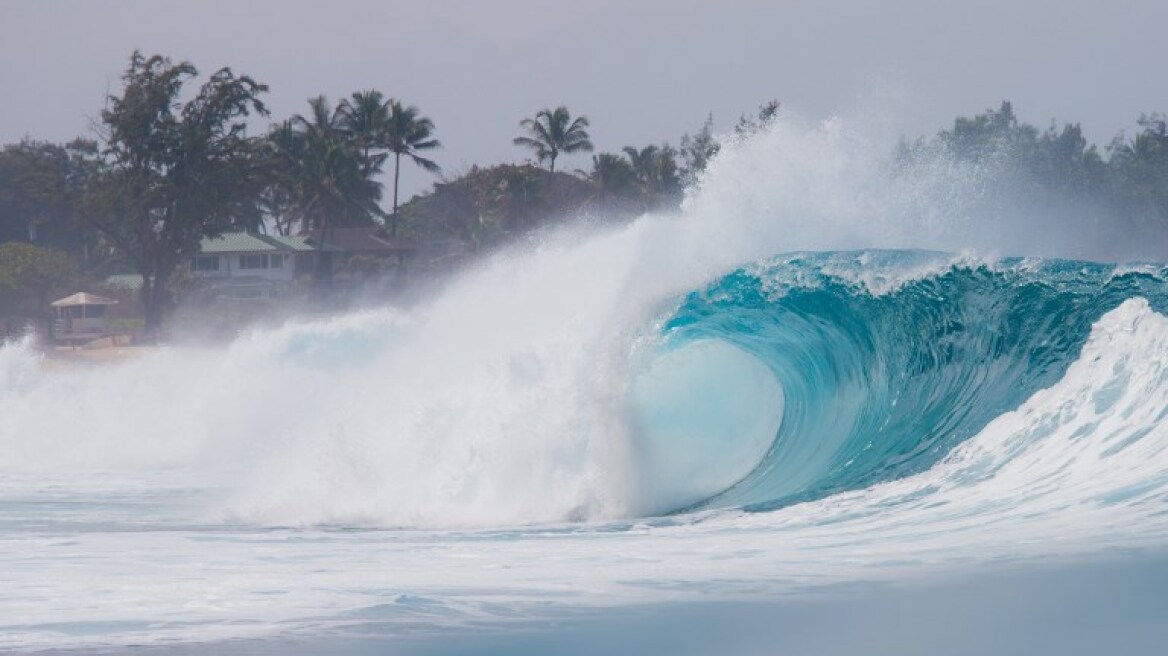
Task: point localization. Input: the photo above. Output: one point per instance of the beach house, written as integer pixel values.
(244, 266)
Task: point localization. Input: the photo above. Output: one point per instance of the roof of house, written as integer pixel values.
(293, 242)
(364, 239)
(83, 298)
(236, 242)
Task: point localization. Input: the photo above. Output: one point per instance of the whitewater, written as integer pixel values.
(821, 374)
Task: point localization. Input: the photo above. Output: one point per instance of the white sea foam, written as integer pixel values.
(1078, 468)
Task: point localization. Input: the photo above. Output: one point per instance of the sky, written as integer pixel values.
(642, 71)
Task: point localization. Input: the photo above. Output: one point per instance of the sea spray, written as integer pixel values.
(933, 411)
(507, 398)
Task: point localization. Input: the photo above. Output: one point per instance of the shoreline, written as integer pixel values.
(64, 357)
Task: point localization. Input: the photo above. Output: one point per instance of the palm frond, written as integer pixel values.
(428, 165)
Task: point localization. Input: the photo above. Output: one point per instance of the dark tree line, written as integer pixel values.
(174, 162)
(165, 173)
(1058, 171)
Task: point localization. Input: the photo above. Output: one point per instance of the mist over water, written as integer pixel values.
(503, 400)
(776, 347)
(506, 398)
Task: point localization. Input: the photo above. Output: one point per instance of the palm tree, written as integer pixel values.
(554, 132)
(517, 194)
(319, 177)
(613, 176)
(332, 181)
(656, 171)
(364, 116)
(406, 133)
(323, 124)
(644, 163)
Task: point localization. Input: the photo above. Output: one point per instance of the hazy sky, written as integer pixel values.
(642, 71)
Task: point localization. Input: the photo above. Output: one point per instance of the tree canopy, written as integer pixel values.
(552, 132)
(28, 273)
(174, 163)
(174, 172)
(325, 170)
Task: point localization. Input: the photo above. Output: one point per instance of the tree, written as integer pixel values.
(41, 187)
(324, 170)
(615, 180)
(748, 126)
(612, 175)
(698, 150)
(365, 117)
(406, 133)
(553, 132)
(656, 172)
(644, 162)
(172, 172)
(1139, 167)
(517, 195)
(1063, 161)
(28, 273)
(322, 173)
(989, 136)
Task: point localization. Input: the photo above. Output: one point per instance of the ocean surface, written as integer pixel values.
(800, 417)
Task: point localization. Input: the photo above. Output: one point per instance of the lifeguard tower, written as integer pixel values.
(80, 317)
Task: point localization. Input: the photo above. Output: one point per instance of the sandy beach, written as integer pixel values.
(67, 356)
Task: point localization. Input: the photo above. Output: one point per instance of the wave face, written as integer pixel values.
(787, 380)
(883, 372)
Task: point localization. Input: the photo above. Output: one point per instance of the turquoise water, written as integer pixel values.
(878, 386)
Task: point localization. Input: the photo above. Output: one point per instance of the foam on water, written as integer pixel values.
(824, 418)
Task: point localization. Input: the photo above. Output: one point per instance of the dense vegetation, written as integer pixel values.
(1056, 172)
(162, 173)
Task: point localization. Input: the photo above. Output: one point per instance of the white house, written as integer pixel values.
(242, 255)
(244, 266)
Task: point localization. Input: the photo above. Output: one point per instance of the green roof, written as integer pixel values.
(292, 242)
(236, 242)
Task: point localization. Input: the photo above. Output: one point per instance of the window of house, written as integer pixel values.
(276, 261)
(253, 261)
(206, 263)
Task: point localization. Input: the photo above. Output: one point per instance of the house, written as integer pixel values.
(243, 255)
(357, 253)
(303, 252)
(242, 266)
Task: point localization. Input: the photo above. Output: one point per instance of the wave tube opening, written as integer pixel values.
(880, 363)
(705, 414)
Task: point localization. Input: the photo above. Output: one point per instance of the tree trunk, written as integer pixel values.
(153, 306)
(319, 278)
(46, 312)
(396, 173)
(156, 296)
(551, 179)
